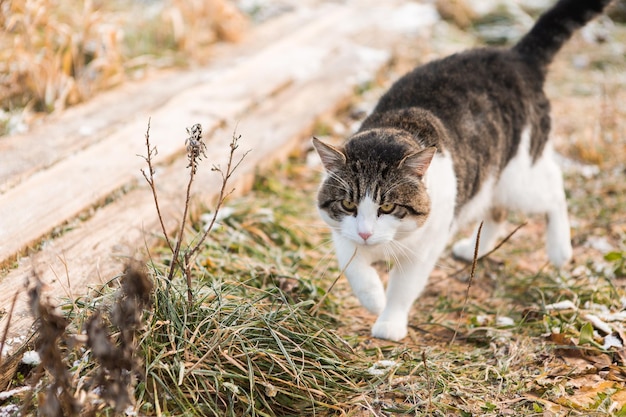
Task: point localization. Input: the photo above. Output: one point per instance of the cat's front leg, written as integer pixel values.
(406, 283)
(363, 278)
(407, 280)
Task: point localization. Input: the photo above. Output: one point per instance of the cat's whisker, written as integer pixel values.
(401, 183)
(341, 181)
(404, 249)
(390, 249)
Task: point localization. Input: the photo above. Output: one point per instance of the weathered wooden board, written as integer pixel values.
(79, 127)
(272, 117)
(86, 177)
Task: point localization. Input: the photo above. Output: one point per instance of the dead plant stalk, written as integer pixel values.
(195, 151)
(469, 282)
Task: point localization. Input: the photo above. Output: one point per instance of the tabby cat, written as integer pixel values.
(457, 140)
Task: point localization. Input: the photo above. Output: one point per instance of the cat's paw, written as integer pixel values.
(374, 302)
(389, 330)
(464, 249)
(560, 254)
(558, 243)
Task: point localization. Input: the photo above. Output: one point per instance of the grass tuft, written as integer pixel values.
(240, 350)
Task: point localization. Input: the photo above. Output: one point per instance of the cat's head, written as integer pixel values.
(374, 190)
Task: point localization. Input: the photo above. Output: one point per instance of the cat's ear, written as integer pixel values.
(331, 157)
(420, 161)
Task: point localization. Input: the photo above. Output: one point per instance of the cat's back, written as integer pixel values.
(487, 76)
(484, 99)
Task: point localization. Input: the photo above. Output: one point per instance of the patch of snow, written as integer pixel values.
(5, 395)
(31, 358)
(130, 411)
(313, 160)
(369, 57)
(598, 30)
(597, 323)
(561, 305)
(222, 214)
(266, 215)
(503, 321)
(612, 341)
(412, 18)
(619, 316)
(9, 410)
(599, 243)
(569, 166)
(380, 367)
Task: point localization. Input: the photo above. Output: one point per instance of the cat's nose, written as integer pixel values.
(365, 235)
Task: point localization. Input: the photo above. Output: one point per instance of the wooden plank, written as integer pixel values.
(81, 126)
(49, 198)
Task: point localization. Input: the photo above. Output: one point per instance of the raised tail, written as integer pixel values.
(556, 26)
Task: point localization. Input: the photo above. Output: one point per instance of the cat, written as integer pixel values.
(457, 140)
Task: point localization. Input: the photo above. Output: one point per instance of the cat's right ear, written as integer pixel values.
(332, 158)
(420, 161)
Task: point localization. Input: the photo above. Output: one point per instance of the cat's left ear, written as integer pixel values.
(420, 161)
(331, 157)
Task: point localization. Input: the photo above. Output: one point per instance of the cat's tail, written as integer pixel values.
(556, 26)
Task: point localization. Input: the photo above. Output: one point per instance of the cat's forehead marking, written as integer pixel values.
(367, 207)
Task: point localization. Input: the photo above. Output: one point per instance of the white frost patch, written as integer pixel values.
(130, 411)
(9, 410)
(12, 342)
(561, 305)
(597, 323)
(412, 17)
(222, 214)
(5, 395)
(599, 243)
(502, 321)
(380, 367)
(368, 58)
(31, 358)
(612, 341)
(569, 166)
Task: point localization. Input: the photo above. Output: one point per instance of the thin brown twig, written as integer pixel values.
(181, 233)
(429, 382)
(152, 151)
(469, 282)
(226, 175)
(495, 248)
(230, 169)
(195, 150)
(316, 307)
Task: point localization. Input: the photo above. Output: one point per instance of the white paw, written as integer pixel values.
(464, 249)
(558, 244)
(560, 254)
(373, 301)
(390, 330)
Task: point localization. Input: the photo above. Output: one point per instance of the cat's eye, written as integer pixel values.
(387, 208)
(348, 205)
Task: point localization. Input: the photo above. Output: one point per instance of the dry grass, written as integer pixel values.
(523, 339)
(54, 54)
